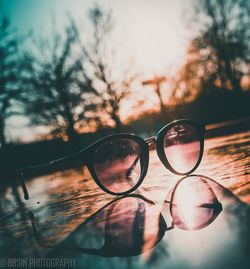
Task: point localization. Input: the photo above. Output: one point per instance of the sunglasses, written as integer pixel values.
(119, 163)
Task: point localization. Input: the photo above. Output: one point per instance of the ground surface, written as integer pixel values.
(63, 204)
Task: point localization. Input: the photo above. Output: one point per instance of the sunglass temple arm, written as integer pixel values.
(149, 141)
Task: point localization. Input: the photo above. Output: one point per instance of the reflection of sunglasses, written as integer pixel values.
(119, 163)
(126, 226)
(133, 224)
(193, 203)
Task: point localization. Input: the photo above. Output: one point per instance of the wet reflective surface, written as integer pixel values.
(170, 222)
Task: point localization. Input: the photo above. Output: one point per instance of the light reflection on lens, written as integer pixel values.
(117, 164)
(182, 147)
(133, 226)
(194, 204)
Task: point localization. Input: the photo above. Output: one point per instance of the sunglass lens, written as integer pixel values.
(182, 147)
(193, 204)
(117, 164)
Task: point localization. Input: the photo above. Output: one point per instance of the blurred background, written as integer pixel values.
(72, 72)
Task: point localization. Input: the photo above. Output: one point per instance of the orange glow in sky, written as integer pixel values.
(149, 36)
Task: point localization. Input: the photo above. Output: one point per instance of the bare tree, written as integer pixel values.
(157, 82)
(223, 41)
(100, 64)
(219, 55)
(9, 73)
(60, 91)
(188, 82)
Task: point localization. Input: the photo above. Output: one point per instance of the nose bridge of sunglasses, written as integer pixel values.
(151, 141)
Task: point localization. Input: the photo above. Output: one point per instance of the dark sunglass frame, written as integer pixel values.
(86, 156)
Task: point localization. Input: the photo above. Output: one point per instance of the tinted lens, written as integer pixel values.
(182, 147)
(193, 204)
(117, 164)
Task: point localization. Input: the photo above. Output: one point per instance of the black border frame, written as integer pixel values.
(160, 140)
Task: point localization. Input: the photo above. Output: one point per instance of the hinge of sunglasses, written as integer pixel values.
(151, 142)
(171, 227)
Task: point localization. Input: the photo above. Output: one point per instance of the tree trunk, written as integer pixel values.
(232, 77)
(118, 123)
(70, 128)
(2, 132)
(70, 131)
(162, 105)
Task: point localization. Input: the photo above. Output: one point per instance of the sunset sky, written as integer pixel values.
(152, 35)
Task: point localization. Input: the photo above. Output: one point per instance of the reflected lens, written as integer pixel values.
(117, 164)
(133, 226)
(182, 147)
(193, 204)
